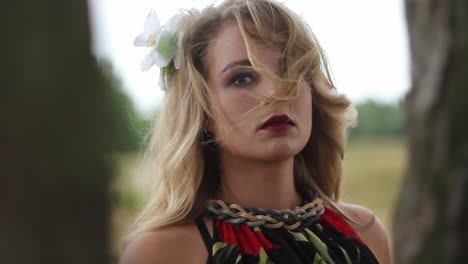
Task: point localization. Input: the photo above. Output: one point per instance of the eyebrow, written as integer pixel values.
(244, 62)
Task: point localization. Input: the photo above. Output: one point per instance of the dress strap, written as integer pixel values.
(206, 237)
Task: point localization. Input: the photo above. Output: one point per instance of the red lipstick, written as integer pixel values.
(278, 123)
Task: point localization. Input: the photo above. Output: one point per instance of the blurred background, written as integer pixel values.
(75, 110)
(366, 43)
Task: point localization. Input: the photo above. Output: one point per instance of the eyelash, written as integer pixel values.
(243, 75)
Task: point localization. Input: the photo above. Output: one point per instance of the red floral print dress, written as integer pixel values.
(329, 240)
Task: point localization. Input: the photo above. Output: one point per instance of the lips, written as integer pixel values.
(278, 123)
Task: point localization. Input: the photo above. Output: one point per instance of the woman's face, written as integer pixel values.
(242, 133)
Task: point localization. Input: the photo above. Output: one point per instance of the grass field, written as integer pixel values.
(373, 170)
(372, 174)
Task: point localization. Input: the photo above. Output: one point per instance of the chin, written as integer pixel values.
(281, 152)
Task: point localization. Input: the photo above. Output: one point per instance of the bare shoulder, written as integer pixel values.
(165, 246)
(373, 234)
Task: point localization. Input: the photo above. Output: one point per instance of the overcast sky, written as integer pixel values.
(365, 41)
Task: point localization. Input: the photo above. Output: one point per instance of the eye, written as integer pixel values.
(242, 79)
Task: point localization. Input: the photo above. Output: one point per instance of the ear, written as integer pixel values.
(209, 125)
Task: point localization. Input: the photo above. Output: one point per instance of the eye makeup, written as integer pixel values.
(242, 79)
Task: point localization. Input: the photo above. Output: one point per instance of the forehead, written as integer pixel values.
(229, 46)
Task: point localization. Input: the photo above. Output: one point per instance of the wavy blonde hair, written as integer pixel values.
(184, 173)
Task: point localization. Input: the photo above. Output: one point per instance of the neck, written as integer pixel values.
(253, 183)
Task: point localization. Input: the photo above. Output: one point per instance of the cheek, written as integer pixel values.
(303, 105)
(232, 110)
(303, 108)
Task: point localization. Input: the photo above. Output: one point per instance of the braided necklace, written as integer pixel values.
(299, 217)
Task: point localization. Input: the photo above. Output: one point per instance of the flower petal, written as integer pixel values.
(178, 51)
(148, 61)
(152, 25)
(171, 24)
(167, 43)
(141, 40)
(160, 60)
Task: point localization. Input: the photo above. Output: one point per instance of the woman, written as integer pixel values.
(250, 120)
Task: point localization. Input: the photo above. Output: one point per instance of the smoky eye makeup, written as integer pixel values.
(241, 78)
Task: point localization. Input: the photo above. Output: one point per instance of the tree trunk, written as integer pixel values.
(53, 150)
(431, 221)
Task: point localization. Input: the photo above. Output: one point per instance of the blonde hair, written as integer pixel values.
(184, 172)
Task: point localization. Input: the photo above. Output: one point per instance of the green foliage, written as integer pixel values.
(125, 199)
(130, 126)
(379, 119)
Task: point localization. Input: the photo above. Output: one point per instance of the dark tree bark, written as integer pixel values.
(53, 150)
(431, 222)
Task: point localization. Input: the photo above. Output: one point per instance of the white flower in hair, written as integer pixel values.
(163, 41)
